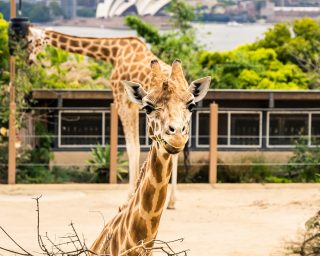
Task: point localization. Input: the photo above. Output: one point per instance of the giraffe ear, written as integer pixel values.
(199, 88)
(134, 91)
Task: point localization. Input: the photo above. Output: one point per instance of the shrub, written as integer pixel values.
(309, 243)
(100, 162)
(71, 175)
(304, 165)
(33, 164)
(250, 170)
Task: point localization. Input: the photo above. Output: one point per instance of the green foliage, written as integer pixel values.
(309, 241)
(275, 37)
(4, 51)
(100, 163)
(150, 33)
(304, 165)
(250, 170)
(33, 164)
(66, 70)
(297, 43)
(181, 14)
(40, 13)
(71, 175)
(58, 69)
(3, 158)
(56, 9)
(286, 58)
(244, 68)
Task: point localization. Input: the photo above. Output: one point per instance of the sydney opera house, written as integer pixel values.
(111, 8)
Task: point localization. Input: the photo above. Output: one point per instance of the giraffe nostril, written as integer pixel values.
(171, 129)
(183, 128)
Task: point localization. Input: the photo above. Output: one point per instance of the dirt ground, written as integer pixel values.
(221, 220)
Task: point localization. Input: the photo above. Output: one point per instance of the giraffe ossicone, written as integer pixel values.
(168, 104)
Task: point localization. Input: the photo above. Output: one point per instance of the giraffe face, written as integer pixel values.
(168, 105)
(36, 42)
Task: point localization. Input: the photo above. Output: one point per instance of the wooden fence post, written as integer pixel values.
(12, 114)
(113, 144)
(213, 157)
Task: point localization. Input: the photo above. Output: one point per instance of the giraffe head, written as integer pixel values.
(168, 104)
(36, 42)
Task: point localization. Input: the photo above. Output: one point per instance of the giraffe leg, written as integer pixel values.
(129, 116)
(174, 179)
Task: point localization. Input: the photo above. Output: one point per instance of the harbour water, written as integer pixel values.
(214, 37)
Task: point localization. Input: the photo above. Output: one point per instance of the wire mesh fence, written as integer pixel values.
(269, 143)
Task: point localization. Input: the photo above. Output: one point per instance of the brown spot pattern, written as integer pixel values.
(161, 198)
(105, 51)
(156, 167)
(74, 43)
(54, 43)
(63, 39)
(138, 229)
(147, 196)
(79, 51)
(114, 51)
(93, 48)
(85, 43)
(155, 223)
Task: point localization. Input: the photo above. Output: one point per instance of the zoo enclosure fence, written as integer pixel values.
(78, 129)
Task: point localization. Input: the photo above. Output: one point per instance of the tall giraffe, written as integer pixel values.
(168, 103)
(129, 57)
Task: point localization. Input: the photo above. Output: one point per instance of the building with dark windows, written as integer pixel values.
(249, 122)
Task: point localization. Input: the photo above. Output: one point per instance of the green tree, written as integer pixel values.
(297, 43)
(40, 13)
(56, 9)
(181, 14)
(244, 68)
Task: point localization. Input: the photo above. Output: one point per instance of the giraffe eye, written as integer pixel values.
(148, 108)
(191, 107)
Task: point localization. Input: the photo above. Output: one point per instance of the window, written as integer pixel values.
(223, 129)
(235, 129)
(203, 128)
(315, 129)
(245, 129)
(88, 128)
(81, 128)
(286, 128)
(107, 127)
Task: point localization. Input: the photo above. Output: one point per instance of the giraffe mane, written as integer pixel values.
(138, 182)
(88, 37)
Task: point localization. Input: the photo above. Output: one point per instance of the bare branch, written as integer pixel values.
(80, 248)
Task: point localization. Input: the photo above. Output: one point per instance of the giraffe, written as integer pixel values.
(168, 102)
(129, 57)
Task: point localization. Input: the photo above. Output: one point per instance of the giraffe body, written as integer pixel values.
(130, 58)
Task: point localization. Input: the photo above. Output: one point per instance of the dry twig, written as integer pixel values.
(79, 246)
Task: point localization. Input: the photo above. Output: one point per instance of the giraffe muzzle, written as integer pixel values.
(175, 143)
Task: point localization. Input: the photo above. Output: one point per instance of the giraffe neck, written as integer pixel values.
(151, 194)
(106, 49)
(139, 220)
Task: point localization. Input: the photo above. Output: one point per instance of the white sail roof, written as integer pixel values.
(111, 8)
